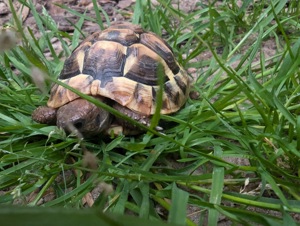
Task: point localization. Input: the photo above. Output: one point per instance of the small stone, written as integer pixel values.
(3, 8)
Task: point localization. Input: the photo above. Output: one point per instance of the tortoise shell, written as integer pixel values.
(122, 63)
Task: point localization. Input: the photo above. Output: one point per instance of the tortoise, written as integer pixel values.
(120, 67)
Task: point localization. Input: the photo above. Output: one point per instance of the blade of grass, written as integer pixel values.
(217, 189)
(178, 208)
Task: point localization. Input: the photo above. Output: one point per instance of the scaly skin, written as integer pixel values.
(44, 115)
(83, 116)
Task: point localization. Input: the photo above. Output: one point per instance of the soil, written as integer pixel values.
(118, 10)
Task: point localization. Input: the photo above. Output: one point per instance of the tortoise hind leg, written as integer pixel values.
(121, 126)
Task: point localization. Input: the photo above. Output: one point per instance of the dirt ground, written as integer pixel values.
(116, 10)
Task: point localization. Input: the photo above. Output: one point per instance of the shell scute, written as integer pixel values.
(142, 65)
(125, 37)
(104, 61)
(161, 48)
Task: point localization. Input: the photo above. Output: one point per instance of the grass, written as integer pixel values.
(248, 111)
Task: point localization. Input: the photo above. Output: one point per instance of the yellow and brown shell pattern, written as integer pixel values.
(122, 63)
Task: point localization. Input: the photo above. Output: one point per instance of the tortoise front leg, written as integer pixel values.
(45, 115)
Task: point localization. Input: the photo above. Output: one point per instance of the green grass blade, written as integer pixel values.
(217, 189)
(178, 208)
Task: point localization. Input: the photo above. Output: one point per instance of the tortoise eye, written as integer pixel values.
(79, 124)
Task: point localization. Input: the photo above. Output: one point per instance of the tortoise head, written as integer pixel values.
(79, 114)
(83, 116)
